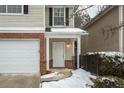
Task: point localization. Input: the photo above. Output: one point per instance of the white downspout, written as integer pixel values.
(47, 53)
(121, 29)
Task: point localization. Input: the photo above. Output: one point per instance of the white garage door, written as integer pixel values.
(19, 56)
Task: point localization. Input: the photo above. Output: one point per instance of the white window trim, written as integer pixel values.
(53, 18)
(22, 12)
(22, 29)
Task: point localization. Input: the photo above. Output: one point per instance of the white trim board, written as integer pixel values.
(47, 53)
(44, 16)
(22, 29)
(19, 31)
(62, 36)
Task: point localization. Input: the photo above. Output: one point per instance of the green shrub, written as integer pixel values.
(108, 82)
(112, 67)
(104, 65)
(108, 66)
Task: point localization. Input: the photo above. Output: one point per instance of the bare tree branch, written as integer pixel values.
(82, 9)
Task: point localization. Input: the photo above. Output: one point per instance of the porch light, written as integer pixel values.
(68, 45)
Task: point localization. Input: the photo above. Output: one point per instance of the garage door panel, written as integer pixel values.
(21, 56)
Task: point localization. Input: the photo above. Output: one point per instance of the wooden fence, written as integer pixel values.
(74, 60)
(90, 63)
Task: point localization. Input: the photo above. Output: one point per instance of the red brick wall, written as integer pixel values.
(39, 36)
(69, 64)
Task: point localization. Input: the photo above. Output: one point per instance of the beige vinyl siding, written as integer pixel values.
(69, 52)
(96, 41)
(71, 20)
(47, 16)
(34, 18)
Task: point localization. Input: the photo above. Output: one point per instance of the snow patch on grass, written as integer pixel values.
(79, 79)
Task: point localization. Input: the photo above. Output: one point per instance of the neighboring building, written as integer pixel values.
(105, 32)
(34, 38)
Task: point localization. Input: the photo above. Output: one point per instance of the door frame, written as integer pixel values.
(63, 51)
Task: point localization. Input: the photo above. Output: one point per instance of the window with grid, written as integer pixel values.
(10, 9)
(58, 16)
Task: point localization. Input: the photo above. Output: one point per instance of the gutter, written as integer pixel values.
(67, 33)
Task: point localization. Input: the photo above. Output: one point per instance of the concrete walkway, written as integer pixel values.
(19, 80)
(60, 70)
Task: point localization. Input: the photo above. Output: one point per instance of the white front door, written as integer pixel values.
(58, 54)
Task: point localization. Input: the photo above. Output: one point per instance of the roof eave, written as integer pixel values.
(97, 17)
(66, 33)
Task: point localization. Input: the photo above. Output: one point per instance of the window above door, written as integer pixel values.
(58, 16)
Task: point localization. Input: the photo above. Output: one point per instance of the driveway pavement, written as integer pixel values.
(19, 80)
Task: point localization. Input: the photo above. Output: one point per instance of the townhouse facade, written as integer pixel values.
(35, 38)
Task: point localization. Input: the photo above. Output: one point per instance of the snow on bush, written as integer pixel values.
(109, 63)
(112, 53)
(79, 79)
(115, 56)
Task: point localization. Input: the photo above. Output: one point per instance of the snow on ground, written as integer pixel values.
(79, 79)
